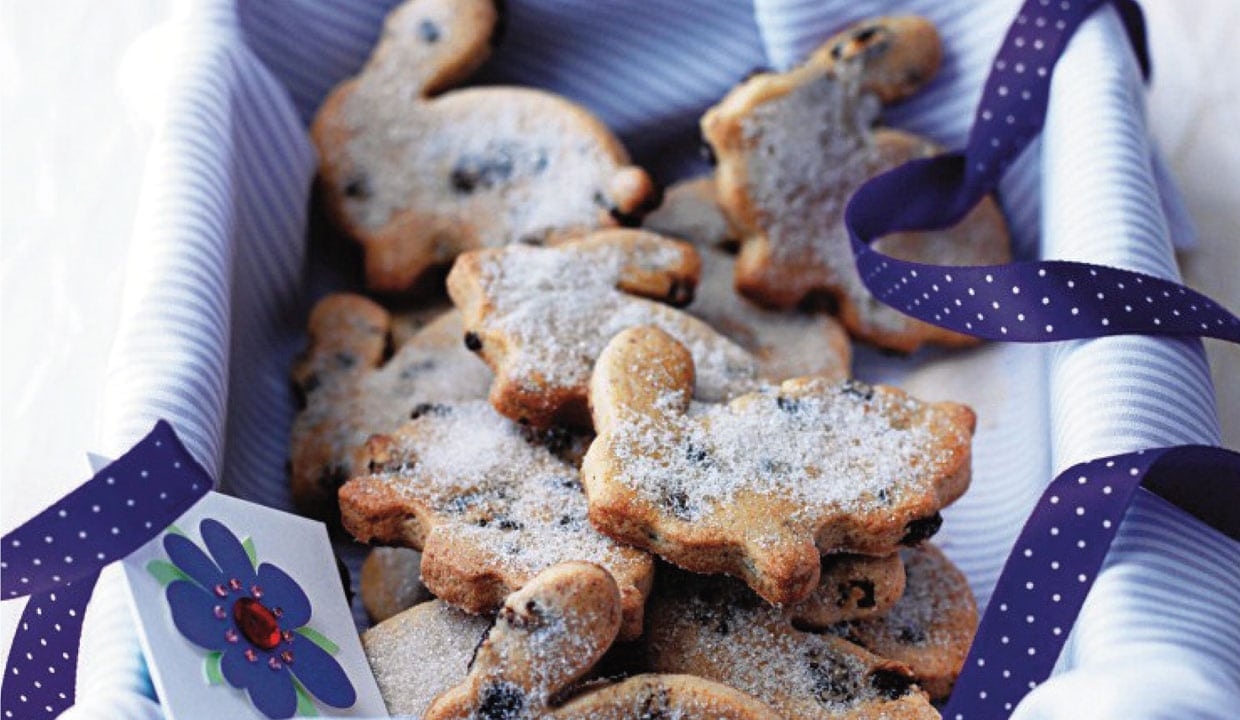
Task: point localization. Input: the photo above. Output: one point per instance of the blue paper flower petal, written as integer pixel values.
(228, 552)
(192, 613)
(322, 675)
(271, 691)
(282, 591)
(192, 560)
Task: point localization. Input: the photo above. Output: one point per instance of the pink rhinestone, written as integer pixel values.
(251, 655)
(287, 635)
(221, 590)
(219, 612)
(230, 635)
(257, 592)
(287, 656)
(234, 583)
(279, 612)
(274, 664)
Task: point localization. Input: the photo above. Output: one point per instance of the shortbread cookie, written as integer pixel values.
(547, 636)
(350, 389)
(793, 147)
(762, 486)
(785, 345)
(391, 582)
(653, 696)
(690, 211)
(930, 628)
(420, 653)
(540, 316)
(489, 506)
(851, 587)
(715, 628)
(418, 175)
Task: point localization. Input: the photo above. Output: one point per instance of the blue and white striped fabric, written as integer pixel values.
(219, 288)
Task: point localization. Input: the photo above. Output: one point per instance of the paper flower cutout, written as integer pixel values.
(253, 619)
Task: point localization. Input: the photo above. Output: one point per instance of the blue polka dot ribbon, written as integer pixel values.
(1022, 301)
(55, 559)
(1066, 538)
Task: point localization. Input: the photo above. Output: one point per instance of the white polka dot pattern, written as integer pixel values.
(1059, 553)
(55, 558)
(1024, 301)
(1062, 547)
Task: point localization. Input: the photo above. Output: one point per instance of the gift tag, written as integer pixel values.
(241, 608)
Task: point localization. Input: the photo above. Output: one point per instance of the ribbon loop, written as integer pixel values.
(1059, 554)
(55, 558)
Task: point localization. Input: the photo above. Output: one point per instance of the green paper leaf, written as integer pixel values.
(165, 572)
(211, 668)
(319, 639)
(174, 530)
(248, 544)
(305, 706)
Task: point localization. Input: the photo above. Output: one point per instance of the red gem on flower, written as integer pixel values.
(254, 630)
(257, 623)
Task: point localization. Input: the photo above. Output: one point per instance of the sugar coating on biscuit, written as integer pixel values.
(930, 628)
(801, 195)
(421, 652)
(497, 503)
(432, 366)
(793, 148)
(482, 472)
(859, 452)
(561, 306)
(933, 592)
(494, 157)
(785, 344)
(715, 628)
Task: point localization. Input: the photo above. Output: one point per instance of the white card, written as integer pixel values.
(241, 633)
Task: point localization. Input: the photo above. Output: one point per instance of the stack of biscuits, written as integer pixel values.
(627, 473)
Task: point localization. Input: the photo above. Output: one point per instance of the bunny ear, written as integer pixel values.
(548, 634)
(651, 265)
(642, 373)
(347, 333)
(428, 46)
(894, 56)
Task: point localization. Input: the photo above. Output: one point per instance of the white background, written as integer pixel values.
(75, 112)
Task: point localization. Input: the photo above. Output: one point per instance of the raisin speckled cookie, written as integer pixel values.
(761, 487)
(793, 147)
(417, 173)
(420, 653)
(488, 503)
(391, 582)
(851, 587)
(350, 389)
(930, 628)
(715, 628)
(785, 344)
(539, 316)
(547, 636)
